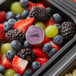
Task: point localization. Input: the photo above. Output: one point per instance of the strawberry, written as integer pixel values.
(2, 32)
(23, 25)
(42, 60)
(2, 16)
(5, 62)
(40, 53)
(50, 22)
(31, 5)
(19, 65)
(54, 45)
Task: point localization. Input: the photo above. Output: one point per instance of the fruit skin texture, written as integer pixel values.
(5, 47)
(51, 31)
(2, 69)
(19, 65)
(23, 25)
(16, 8)
(40, 53)
(42, 60)
(9, 72)
(5, 62)
(2, 16)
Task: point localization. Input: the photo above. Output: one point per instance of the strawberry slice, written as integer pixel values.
(55, 46)
(23, 25)
(42, 60)
(2, 33)
(31, 5)
(5, 62)
(40, 53)
(19, 65)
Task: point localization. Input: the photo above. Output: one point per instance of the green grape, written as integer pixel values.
(5, 47)
(40, 24)
(16, 8)
(9, 72)
(51, 31)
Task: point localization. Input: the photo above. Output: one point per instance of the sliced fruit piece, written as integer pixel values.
(19, 64)
(42, 60)
(39, 53)
(5, 62)
(35, 35)
(23, 25)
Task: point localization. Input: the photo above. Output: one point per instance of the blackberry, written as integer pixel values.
(41, 14)
(67, 30)
(27, 54)
(15, 35)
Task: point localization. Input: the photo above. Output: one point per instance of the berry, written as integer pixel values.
(17, 74)
(23, 25)
(5, 47)
(52, 52)
(57, 17)
(36, 65)
(18, 16)
(10, 54)
(35, 35)
(24, 14)
(10, 15)
(16, 8)
(28, 73)
(24, 3)
(58, 40)
(67, 30)
(51, 31)
(2, 16)
(39, 53)
(16, 45)
(27, 54)
(27, 44)
(9, 72)
(1, 74)
(47, 47)
(0, 42)
(40, 24)
(14, 35)
(59, 26)
(2, 69)
(42, 60)
(5, 62)
(40, 14)
(19, 64)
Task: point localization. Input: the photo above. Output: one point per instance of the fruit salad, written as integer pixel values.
(30, 34)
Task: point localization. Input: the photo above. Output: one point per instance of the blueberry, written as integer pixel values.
(36, 65)
(9, 15)
(47, 47)
(58, 40)
(10, 54)
(27, 44)
(24, 14)
(16, 45)
(2, 69)
(57, 17)
(28, 73)
(52, 52)
(0, 42)
(17, 74)
(58, 25)
(24, 3)
(18, 16)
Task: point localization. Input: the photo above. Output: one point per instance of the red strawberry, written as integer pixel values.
(23, 25)
(42, 60)
(31, 5)
(50, 22)
(19, 65)
(5, 62)
(2, 32)
(2, 16)
(39, 53)
(55, 46)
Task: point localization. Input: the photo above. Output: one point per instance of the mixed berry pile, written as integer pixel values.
(30, 34)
